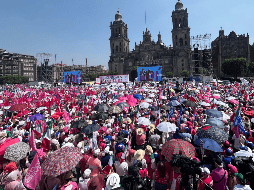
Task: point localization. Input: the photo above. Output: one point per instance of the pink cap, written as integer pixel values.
(226, 143)
(232, 168)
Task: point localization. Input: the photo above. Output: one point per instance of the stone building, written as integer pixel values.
(231, 46)
(148, 52)
(18, 64)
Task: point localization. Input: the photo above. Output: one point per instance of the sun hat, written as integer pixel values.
(140, 131)
(124, 166)
(139, 154)
(87, 173)
(149, 150)
(218, 161)
(37, 141)
(232, 168)
(206, 170)
(113, 181)
(3, 135)
(120, 139)
(96, 152)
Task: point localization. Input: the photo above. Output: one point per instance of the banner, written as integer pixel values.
(149, 73)
(72, 77)
(98, 80)
(114, 78)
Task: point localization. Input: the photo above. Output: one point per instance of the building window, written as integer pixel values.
(176, 36)
(186, 43)
(116, 48)
(185, 36)
(176, 43)
(181, 41)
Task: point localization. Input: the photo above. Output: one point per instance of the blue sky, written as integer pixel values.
(79, 29)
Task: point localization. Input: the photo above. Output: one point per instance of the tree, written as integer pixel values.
(185, 73)
(202, 71)
(10, 79)
(169, 74)
(235, 67)
(251, 68)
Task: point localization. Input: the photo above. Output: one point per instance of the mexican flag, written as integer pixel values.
(38, 130)
(46, 137)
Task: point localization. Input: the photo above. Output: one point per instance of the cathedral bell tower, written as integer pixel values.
(181, 38)
(119, 44)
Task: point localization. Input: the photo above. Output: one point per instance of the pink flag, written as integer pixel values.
(31, 141)
(33, 175)
(66, 116)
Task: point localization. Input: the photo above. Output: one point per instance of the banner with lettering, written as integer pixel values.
(114, 78)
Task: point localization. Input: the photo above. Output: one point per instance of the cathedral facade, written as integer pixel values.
(148, 52)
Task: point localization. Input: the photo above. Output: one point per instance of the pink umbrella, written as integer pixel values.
(122, 98)
(216, 97)
(132, 103)
(234, 101)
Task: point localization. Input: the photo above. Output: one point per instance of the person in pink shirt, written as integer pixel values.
(66, 180)
(182, 127)
(219, 175)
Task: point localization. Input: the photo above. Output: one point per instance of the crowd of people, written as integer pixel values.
(127, 136)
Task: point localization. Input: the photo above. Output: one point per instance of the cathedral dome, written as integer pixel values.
(118, 16)
(179, 5)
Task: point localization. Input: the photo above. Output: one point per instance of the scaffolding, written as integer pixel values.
(201, 55)
(46, 71)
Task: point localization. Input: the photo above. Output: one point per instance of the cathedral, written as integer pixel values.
(148, 52)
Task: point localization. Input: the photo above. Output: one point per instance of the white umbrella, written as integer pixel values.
(166, 127)
(151, 95)
(144, 105)
(163, 97)
(204, 104)
(144, 121)
(230, 97)
(115, 100)
(148, 100)
(244, 153)
(7, 107)
(41, 108)
(224, 117)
